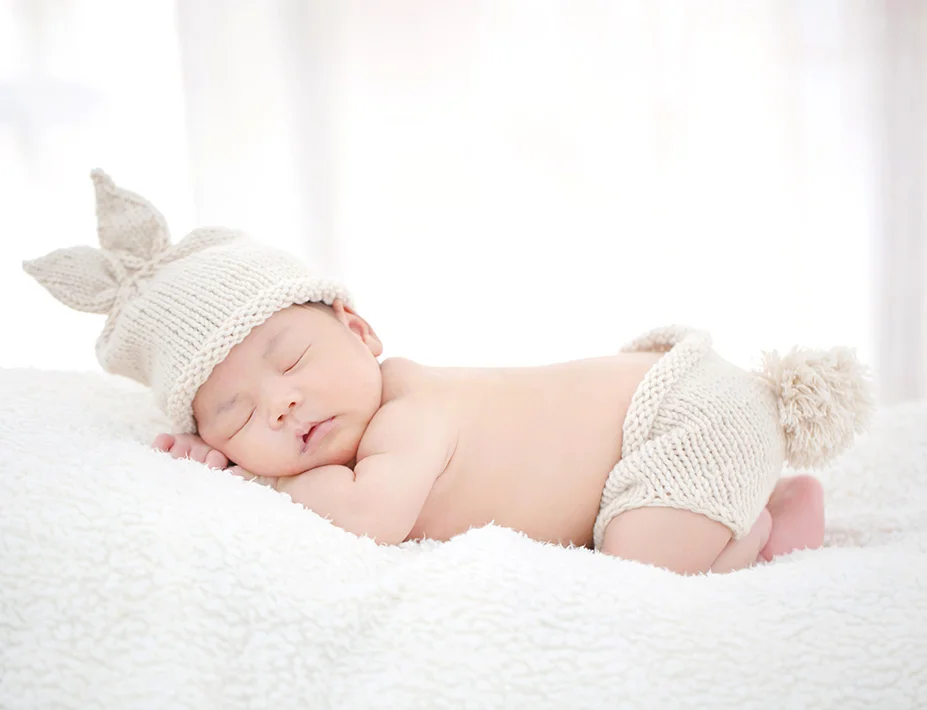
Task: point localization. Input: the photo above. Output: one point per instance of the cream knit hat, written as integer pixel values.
(174, 311)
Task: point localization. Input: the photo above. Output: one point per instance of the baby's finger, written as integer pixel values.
(216, 459)
(198, 452)
(163, 442)
(180, 449)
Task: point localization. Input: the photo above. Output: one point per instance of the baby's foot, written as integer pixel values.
(797, 509)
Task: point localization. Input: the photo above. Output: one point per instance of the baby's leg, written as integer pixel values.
(678, 540)
(744, 552)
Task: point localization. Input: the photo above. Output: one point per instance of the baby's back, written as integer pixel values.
(534, 446)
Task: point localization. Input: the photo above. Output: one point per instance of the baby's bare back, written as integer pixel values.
(534, 446)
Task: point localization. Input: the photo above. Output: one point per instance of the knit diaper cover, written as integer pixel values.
(700, 434)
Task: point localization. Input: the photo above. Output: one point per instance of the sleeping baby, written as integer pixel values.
(663, 453)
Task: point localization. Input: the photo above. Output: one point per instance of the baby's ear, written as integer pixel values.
(358, 326)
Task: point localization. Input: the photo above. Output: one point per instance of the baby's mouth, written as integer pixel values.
(307, 434)
(315, 433)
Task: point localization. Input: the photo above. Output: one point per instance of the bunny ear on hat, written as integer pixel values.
(132, 234)
(80, 277)
(128, 222)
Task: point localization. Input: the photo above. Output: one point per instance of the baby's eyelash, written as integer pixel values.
(246, 422)
(297, 361)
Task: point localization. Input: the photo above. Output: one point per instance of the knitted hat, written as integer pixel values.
(174, 311)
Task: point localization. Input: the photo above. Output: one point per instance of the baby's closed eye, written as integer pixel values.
(295, 362)
(244, 423)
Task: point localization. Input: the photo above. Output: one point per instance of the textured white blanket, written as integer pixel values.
(130, 580)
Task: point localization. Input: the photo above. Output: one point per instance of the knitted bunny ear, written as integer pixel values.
(133, 237)
(80, 277)
(128, 222)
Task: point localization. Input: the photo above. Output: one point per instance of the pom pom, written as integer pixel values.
(825, 399)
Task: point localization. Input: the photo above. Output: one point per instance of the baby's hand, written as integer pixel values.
(190, 446)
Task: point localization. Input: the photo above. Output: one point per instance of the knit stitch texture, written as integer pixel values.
(706, 436)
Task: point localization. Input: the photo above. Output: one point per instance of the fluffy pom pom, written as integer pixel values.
(825, 399)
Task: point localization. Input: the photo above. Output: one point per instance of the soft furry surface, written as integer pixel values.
(130, 580)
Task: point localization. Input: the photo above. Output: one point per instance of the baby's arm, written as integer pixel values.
(404, 452)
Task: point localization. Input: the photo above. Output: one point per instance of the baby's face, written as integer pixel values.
(295, 394)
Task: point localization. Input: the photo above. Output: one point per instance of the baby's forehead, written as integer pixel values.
(268, 334)
(231, 373)
(261, 343)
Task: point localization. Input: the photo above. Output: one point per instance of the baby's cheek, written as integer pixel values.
(263, 454)
(235, 452)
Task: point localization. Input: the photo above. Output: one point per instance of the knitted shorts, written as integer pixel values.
(700, 435)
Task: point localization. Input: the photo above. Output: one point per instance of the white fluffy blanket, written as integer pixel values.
(130, 580)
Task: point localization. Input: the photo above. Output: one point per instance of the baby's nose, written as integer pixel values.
(287, 406)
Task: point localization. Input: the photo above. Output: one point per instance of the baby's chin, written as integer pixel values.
(340, 447)
(340, 456)
(341, 453)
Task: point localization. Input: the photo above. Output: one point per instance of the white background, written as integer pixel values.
(499, 182)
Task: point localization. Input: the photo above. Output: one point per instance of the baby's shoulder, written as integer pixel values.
(401, 377)
(409, 424)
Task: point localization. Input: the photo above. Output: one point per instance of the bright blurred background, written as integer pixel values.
(498, 181)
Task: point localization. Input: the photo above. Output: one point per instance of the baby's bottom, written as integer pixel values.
(690, 543)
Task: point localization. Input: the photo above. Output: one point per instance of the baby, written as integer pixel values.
(663, 453)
